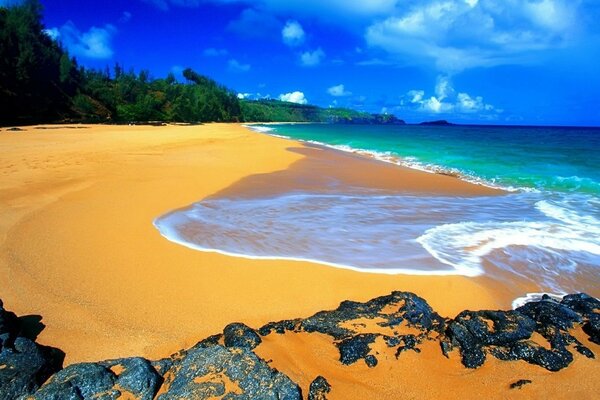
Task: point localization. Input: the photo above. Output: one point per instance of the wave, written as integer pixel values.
(259, 128)
(559, 242)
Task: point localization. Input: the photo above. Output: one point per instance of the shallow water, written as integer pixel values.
(545, 233)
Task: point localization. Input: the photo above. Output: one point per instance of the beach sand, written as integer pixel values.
(78, 248)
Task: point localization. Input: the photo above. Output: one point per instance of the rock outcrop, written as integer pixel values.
(24, 364)
(226, 366)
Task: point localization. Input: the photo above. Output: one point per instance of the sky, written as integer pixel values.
(466, 61)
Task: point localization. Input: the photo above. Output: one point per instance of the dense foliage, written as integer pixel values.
(40, 82)
(279, 111)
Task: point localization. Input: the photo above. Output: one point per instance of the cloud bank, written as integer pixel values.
(292, 33)
(446, 100)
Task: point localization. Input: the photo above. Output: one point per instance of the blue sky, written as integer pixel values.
(473, 61)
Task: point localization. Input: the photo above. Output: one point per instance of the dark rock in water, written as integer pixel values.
(207, 372)
(319, 388)
(107, 380)
(520, 383)
(355, 348)
(240, 335)
(25, 364)
(14, 129)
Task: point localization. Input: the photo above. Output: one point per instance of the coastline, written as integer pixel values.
(71, 192)
(78, 249)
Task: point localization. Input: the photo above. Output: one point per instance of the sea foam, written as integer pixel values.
(538, 240)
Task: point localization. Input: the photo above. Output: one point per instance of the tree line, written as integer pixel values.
(41, 83)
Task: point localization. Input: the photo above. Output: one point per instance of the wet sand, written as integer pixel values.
(77, 244)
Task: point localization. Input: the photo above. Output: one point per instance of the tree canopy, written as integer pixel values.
(40, 83)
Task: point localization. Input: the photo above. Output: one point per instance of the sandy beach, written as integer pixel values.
(78, 248)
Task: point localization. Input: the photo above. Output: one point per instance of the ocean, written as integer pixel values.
(545, 232)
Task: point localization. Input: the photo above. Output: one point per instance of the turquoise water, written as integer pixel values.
(558, 159)
(545, 232)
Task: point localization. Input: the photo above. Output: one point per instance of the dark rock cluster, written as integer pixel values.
(24, 364)
(509, 335)
(399, 312)
(225, 365)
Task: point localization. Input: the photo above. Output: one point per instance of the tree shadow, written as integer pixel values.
(31, 326)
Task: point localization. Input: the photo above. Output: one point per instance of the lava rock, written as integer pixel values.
(410, 343)
(134, 377)
(355, 348)
(281, 327)
(319, 388)
(78, 382)
(138, 377)
(240, 335)
(408, 306)
(520, 383)
(207, 372)
(25, 364)
(549, 313)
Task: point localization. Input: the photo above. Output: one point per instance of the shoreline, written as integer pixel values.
(78, 246)
(389, 159)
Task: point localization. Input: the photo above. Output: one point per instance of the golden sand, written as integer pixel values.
(77, 244)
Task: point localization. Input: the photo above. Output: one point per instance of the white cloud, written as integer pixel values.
(242, 96)
(95, 43)
(443, 87)
(292, 33)
(447, 101)
(416, 95)
(311, 59)
(236, 66)
(460, 34)
(338, 91)
(294, 97)
(54, 33)
(212, 52)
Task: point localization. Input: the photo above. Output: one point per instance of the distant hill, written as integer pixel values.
(41, 83)
(279, 111)
(441, 122)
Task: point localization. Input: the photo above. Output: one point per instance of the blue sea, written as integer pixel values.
(544, 232)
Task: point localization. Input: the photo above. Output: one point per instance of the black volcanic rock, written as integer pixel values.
(355, 348)
(25, 365)
(507, 335)
(319, 388)
(240, 335)
(204, 372)
(520, 383)
(400, 320)
(132, 377)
